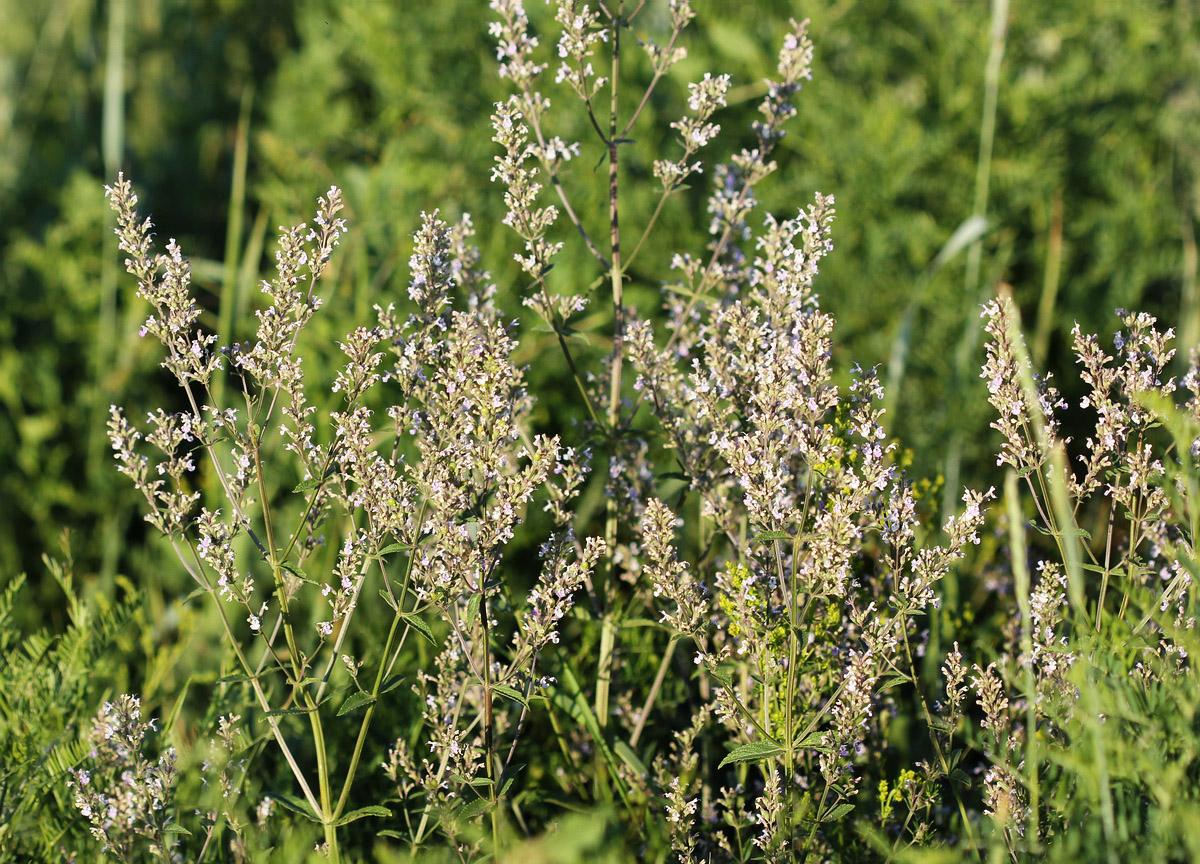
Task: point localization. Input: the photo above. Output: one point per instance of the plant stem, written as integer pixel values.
(323, 778)
(380, 673)
(489, 743)
(937, 747)
(255, 685)
(313, 713)
(607, 595)
(230, 280)
(654, 688)
(366, 723)
(1016, 529)
(983, 171)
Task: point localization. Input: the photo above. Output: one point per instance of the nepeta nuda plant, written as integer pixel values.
(1107, 620)
(422, 505)
(758, 534)
(126, 796)
(793, 634)
(822, 583)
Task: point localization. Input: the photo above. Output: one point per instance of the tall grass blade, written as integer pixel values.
(970, 231)
(964, 366)
(1048, 301)
(230, 281)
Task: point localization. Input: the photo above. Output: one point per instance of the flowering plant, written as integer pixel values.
(755, 512)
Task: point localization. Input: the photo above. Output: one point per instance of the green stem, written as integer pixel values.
(966, 348)
(323, 778)
(654, 688)
(313, 713)
(289, 633)
(812, 832)
(607, 594)
(380, 673)
(360, 741)
(230, 282)
(489, 729)
(1016, 529)
(937, 747)
(252, 677)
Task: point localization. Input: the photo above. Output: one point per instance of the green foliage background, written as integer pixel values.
(232, 115)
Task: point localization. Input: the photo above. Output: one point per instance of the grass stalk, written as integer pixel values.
(112, 148)
(1189, 297)
(659, 677)
(252, 676)
(964, 366)
(234, 219)
(1067, 536)
(1050, 282)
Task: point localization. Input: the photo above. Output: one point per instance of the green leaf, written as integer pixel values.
(298, 573)
(391, 684)
(755, 752)
(418, 624)
(675, 475)
(507, 778)
(571, 699)
(393, 834)
(812, 741)
(176, 829)
(684, 291)
(474, 808)
(295, 805)
(837, 813)
(630, 758)
(193, 595)
(771, 535)
(285, 712)
(169, 722)
(511, 692)
(893, 681)
(722, 681)
(940, 725)
(307, 485)
(356, 700)
(394, 547)
(472, 610)
(362, 813)
(964, 235)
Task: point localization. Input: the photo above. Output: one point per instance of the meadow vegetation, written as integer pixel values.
(698, 489)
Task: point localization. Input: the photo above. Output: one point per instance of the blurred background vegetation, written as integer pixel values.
(231, 116)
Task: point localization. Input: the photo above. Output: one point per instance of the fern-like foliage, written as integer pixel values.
(50, 683)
